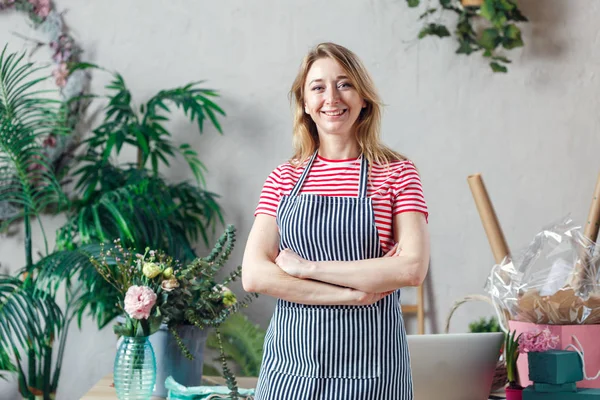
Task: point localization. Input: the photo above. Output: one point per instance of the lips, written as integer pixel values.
(334, 113)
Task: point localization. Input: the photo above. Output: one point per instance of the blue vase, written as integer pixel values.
(171, 361)
(135, 369)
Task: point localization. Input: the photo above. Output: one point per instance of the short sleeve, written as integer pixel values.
(270, 195)
(408, 191)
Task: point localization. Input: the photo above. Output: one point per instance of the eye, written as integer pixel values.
(316, 88)
(344, 85)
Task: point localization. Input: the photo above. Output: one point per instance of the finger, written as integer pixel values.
(392, 251)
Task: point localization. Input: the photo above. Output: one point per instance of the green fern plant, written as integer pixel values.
(242, 342)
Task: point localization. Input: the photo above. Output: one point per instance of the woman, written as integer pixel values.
(338, 231)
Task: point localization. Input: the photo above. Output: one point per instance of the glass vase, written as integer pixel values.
(135, 369)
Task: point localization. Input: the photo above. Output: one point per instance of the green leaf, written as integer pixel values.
(498, 67)
(464, 47)
(434, 30)
(490, 38)
(512, 37)
(511, 31)
(487, 10)
(413, 3)
(143, 144)
(428, 12)
(82, 65)
(501, 59)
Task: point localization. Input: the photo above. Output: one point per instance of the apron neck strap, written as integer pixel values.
(362, 180)
(300, 182)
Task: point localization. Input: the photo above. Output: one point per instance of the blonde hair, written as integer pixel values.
(305, 137)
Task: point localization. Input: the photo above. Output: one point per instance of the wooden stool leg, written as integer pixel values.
(420, 310)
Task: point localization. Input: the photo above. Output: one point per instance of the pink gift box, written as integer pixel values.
(588, 336)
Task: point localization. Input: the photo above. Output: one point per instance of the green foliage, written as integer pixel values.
(242, 342)
(134, 202)
(30, 320)
(485, 325)
(145, 130)
(6, 364)
(434, 30)
(511, 355)
(199, 300)
(27, 116)
(143, 210)
(499, 31)
(28, 323)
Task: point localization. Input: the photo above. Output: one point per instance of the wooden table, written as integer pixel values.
(104, 389)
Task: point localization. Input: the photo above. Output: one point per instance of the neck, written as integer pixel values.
(338, 148)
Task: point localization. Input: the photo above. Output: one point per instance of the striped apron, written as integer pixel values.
(334, 352)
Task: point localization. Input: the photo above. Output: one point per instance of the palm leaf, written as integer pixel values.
(26, 315)
(144, 211)
(26, 117)
(73, 267)
(6, 363)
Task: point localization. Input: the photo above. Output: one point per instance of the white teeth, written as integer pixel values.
(334, 113)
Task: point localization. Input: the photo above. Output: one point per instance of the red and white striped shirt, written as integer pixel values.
(393, 188)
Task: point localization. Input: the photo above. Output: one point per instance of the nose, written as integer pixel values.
(332, 96)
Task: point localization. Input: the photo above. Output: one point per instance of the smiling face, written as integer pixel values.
(330, 98)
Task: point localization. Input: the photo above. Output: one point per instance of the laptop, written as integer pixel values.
(455, 366)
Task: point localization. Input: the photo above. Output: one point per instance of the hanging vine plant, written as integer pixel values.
(489, 26)
(67, 73)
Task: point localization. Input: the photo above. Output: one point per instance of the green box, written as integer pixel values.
(555, 367)
(551, 388)
(582, 394)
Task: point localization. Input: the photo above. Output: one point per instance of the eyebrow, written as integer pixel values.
(339, 77)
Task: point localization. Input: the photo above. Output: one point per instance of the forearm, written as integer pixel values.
(374, 275)
(265, 277)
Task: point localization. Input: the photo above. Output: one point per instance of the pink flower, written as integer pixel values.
(60, 75)
(537, 341)
(50, 141)
(139, 301)
(41, 7)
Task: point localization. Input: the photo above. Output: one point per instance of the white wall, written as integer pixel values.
(532, 133)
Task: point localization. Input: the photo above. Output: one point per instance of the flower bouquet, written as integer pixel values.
(142, 281)
(155, 290)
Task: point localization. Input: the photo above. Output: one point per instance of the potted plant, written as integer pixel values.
(33, 328)
(496, 22)
(154, 288)
(514, 391)
(196, 303)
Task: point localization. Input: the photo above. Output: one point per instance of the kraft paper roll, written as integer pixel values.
(581, 274)
(488, 218)
(593, 220)
(471, 3)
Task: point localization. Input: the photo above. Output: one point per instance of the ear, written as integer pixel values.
(306, 109)
(364, 104)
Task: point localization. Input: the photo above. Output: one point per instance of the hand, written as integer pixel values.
(394, 251)
(365, 299)
(292, 263)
